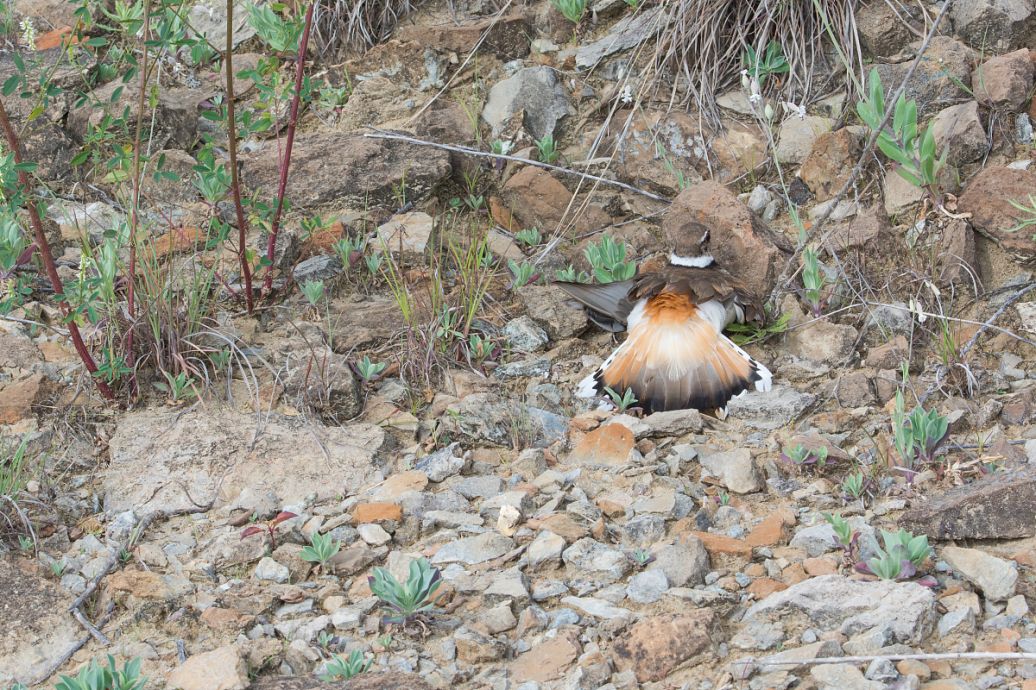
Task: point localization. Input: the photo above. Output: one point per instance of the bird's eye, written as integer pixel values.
(704, 238)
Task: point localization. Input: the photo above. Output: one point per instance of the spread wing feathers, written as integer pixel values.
(675, 358)
(608, 304)
(702, 285)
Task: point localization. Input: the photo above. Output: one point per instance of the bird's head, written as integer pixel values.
(690, 247)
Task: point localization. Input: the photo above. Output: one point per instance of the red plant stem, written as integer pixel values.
(286, 161)
(235, 185)
(48, 258)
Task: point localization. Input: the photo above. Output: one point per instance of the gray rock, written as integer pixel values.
(208, 18)
(959, 129)
(545, 550)
(549, 307)
(643, 530)
(598, 608)
(842, 677)
(628, 32)
(797, 135)
(936, 80)
(482, 486)
(818, 539)
(684, 563)
(647, 587)
(891, 318)
(833, 602)
(881, 669)
(996, 25)
(496, 419)
(269, 569)
(374, 534)
(769, 410)
(508, 585)
(525, 335)
(408, 233)
(442, 463)
(759, 635)
(759, 198)
(319, 267)
(673, 423)
(523, 368)
(735, 470)
(960, 621)
(994, 576)
(538, 92)
(822, 342)
(549, 589)
(90, 220)
(596, 560)
(472, 550)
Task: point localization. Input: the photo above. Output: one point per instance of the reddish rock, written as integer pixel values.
(399, 484)
(607, 445)
(958, 130)
(740, 241)
(829, 164)
(657, 646)
(815, 567)
(562, 524)
(377, 512)
(769, 532)
(859, 231)
(988, 197)
(1005, 81)
(17, 399)
(547, 660)
(225, 619)
(534, 198)
(720, 544)
(764, 587)
(507, 38)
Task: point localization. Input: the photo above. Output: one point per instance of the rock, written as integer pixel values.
(487, 417)
(545, 550)
(596, 560)
(372, 680)
(628, 32)
(525, 335)
(598, 608)
(471, 550)
(321, 379)
(647, 587)
(734, 469)
(823, 342)
(935, 81)
(442, 463)
(310, 683)
(146, 584)
(830, 162)
(534, 198)
(198, 450)
(958, 129)
(956, 252)
(900, 195)
(882, 32)
(474, 647)
(352, 171)
(220, 669)
(547, 660)
(959, 621)
(37, 630)
(175, 114)
(549, 307)
(739, 241)
(673, 423)
(208, 18)
(1027, 316)
(833, 602)
(408, 233)
(984, 509)
(506, 37)
(770, 410)
(269, 569)
(607, 445)
(860, 230)
(684, 563)
(374, 534)
(18, 398)
(842, 677)
(537, 93)
(798, 135)
(319, 267)
(987, 197)
(993, 24)
(1005, 81)
(376, 511)
(994, 576)
(657, 646)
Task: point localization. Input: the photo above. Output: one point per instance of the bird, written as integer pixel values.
(675, 355)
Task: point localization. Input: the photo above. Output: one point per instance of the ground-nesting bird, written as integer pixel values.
(675, 355)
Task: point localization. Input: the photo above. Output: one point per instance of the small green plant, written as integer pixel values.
(384, 642)
(179, 387)
(340, 668)
(917, 436)
(333, 97)
(902, 555)
(349, 251)
(772, 61)
(369, 370)
(313, 290)
(641, 557)
(608, 260)
(125, 555)
(723, 498)
(844, 533)
(916, 155)
(280, 34)
(570, 275)
(26, 544)
(633, 4)
(322, 548)
(546, 148)
(624, 401)
(813, 279)
(801, 456)
(410, 599)
(573, 10)
(374, 262)
(854, 484)
(57, 568)
(750, 332)
(500, 147)
(110, 677)
(325, 639)
(1026, 221)
(480, 347)
(530, 237)
(522, 273)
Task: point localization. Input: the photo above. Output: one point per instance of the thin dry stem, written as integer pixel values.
(235, 183)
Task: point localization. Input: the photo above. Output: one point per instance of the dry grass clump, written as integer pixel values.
(700, 51)
(356, 25)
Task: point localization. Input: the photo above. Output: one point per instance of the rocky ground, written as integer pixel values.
(579, 548)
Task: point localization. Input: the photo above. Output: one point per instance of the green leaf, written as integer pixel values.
(97, 42)
(909, 177)
(11, 85)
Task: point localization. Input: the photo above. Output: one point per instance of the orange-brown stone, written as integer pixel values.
(720, 544)
(607, 445)
(815, 567)
(764, 587)
(377, 512)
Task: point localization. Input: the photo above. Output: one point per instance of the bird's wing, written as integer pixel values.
(609, 304)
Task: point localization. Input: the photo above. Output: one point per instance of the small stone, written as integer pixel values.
(498, 619)
(537, 92)
(994, 576)
(842, 677)
(322, 267)
(269, 569)
(992, 24)
(758, 198)
(475, 647)
(374, 534)
(958, 129)
(507, 521)
(545, 550)
(606, 445)
(647, 587)
(409, 232)
(472, 550)
(960, 621)
(734, 469)
(546, 660)
(598, 608)
(220, 669)
(797, 136)
(441, 464)
(655, 646)
(769, 410)
(525, 335)
(684, 563)
(377, 512)
(597, 559)
(1005, 81)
